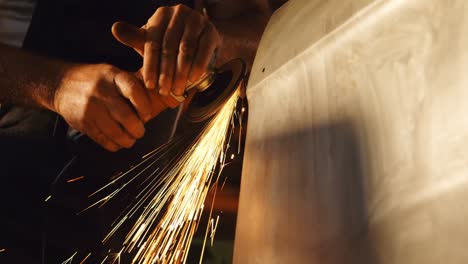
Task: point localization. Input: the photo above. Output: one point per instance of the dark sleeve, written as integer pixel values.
(80, 30)
(42, 27)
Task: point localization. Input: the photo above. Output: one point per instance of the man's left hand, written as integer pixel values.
(177, 44)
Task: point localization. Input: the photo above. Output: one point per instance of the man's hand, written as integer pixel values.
(177, 44)
(107, 104)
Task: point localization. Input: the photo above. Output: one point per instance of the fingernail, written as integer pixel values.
(163, 92)
(150, 84)
(130, 144)
(146, 117)
(179, 92)
(113, 149)
(141, 132)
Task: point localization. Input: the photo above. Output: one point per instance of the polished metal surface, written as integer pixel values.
(357, 142)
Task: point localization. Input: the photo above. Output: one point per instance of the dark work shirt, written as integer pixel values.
(79, 30)
(33, 148)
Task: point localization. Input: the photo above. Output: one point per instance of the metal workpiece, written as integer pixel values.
(357, 142)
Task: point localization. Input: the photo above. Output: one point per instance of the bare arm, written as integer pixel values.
(28, 79)
(240, 24)
(95, 99)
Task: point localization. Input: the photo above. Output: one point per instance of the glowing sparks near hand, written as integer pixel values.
(168, 209)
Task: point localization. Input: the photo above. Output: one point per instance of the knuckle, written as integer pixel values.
(128, 142)
(188, 47)
(109, 69)
(110, 146)
(181, 8)
(94, 92)
(100, 138)
(120, 137)
(186, 60)
(105, 143)
(138, 132)
(133, 96)
(92, 106)
(129, 119)
(123, 139)
(95, 84)
(168, 52)
(154, 46)
(132, 87)
(160, 11)
(114, 134)
(168, 47)
(164, 79)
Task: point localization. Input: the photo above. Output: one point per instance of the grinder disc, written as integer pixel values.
(207, 103)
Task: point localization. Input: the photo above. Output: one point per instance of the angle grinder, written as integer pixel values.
(214, 89)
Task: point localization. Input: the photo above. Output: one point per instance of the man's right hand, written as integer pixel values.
(107, 104)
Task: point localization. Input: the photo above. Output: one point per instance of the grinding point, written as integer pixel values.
(207, 103)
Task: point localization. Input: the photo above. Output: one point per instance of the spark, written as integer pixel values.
(241, 116)
(114, 257)
(70, 259)
(75, 179)
(86, 258)
(232, 156)
(214, 226)
(48, 198)
(104, 260)
(168, 209)
(224, 183)
(2, 250)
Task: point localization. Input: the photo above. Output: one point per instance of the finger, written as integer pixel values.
(170, 101)
(170, 48)
(157, 103)
(209, 40)
(111, 129)
(130, 36)
(187, 48)
(154, 35)
(127, 118)
(97, 136)
(132, 89)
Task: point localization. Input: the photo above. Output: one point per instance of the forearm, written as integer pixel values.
(28, 79)
(240, 32)
(240, 38)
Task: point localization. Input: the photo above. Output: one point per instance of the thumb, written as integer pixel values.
(129, 35)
